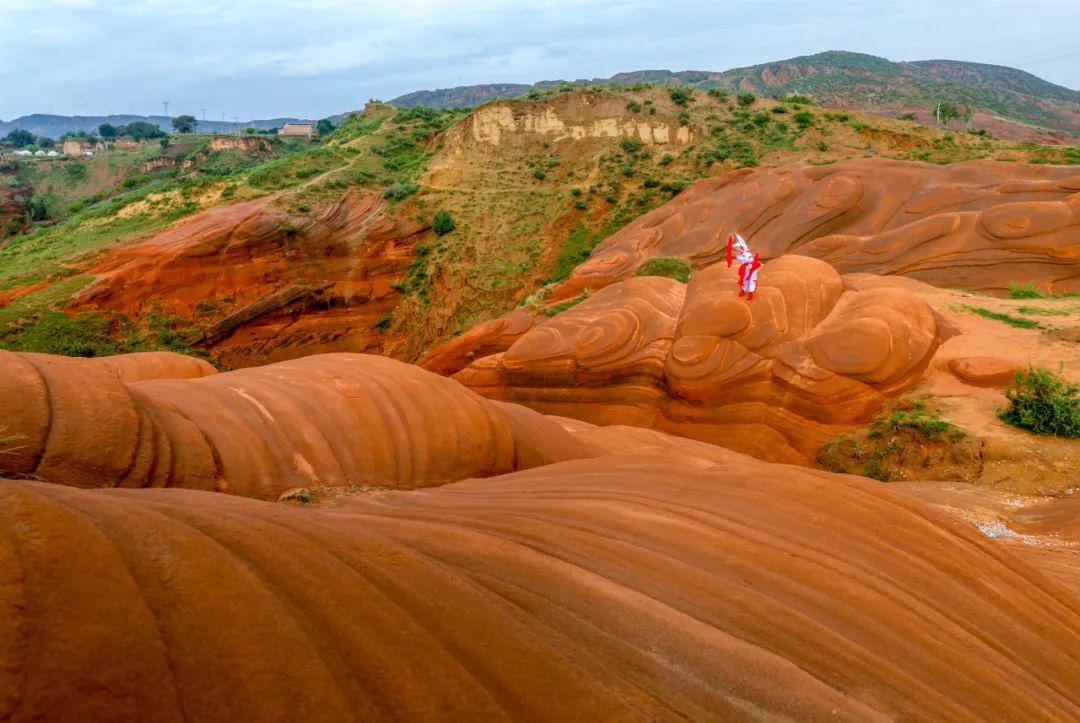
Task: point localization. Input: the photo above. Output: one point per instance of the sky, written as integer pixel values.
(312, 58)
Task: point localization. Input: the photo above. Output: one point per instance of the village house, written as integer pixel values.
(306, 130)
(74, 147)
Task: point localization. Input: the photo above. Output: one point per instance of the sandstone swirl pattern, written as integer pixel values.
(623, 588)
(331, 419)
(774, 377)
(978, 225)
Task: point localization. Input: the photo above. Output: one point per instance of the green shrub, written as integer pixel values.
(684, 118)
(631, 145)
(804, 118)
(539, 174)
(75, 172)
(907, 117)
(442, 223)
(718, 94)
(633, 106)
(681, 95)
(746, 99)
(1044, 403)
(399, 191)
(760, 119)
(666, 159)
(1024, 291)
(671, 267)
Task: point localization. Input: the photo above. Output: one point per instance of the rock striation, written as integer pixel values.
(974, 225)
(326, 420)
(623, 588)
(236, 257)
(775, 377)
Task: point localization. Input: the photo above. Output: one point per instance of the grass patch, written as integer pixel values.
(1044, 403)
(575, 250)
(1039, 311)
(568, 304)
(671, 267)
(1016, 321)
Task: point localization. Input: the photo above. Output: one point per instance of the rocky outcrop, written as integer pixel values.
(336, 419)
(774, 377)
(620, 588)
(574, 116)
(231, 257)
(975, 225)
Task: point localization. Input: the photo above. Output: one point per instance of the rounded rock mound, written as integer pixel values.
(624, 588)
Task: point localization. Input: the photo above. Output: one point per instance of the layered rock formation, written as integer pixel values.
(623, 588)
(975, 225)
(334, 419)
(339, 262)
(774, 377)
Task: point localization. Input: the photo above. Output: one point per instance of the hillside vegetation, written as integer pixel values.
(515, 195)
(1005, 100)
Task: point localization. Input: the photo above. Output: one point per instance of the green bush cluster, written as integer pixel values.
(681, 95)
(442, 223)
(670, 267)
(1044, 403)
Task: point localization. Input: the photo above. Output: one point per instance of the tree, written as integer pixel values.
(946, 112)
(325, 127)
(43, 142)
(20, 138)
(681, 95)
(107, 131)
(140, 130)
(442, 223)
(184, 123)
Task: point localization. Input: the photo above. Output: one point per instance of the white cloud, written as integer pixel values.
(315, 57)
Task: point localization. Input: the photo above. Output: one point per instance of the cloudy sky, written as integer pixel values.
(269, 58)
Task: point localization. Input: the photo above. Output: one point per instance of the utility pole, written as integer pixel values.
(166, 104)
(203, 115)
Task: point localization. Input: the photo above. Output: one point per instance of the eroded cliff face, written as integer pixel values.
(975, 225)
(576, 116)
(296, 285)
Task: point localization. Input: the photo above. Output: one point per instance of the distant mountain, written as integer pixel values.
(843, 79)
(54, 126)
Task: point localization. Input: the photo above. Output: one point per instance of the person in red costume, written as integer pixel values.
(749, 265)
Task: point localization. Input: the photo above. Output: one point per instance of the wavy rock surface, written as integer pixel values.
(332, 419)
(974, 225)
(774, 377)
(622, 588)
(236, 255)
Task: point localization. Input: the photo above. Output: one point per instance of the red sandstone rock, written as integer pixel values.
(331, 419)
(775, 377)
(984, 371)
(623, 588)
(235, 255)
(978, 225)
